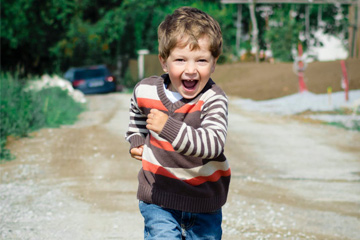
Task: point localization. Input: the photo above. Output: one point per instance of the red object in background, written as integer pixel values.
(345, 79)
(76, 83)
(110, 79)
(302, 86)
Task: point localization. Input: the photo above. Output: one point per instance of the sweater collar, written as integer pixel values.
(165, 79)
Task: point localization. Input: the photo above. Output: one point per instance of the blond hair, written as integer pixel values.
(186, 26)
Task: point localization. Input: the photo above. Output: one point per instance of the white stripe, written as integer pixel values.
(137, 130)
(149, 156)
(203, 136)
(214, 125)
(177, 139)
(185, 174)
(137, 122)
(212, 145)
(183, 142)
(191, 141)
(131, 135)
(198, 143)
(201, 171)
(210, 93)
(157, 137)
(147, 91)
(217, 111)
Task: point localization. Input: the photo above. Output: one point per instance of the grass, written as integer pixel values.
(351, 124)
(355, 126)
(23, 111)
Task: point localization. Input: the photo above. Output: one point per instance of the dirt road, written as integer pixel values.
(291, 180)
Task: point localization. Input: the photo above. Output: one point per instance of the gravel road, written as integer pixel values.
(291, 179)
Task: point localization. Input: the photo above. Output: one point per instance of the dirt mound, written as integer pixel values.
(261, 81)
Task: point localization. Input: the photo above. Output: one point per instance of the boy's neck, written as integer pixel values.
(170, 87)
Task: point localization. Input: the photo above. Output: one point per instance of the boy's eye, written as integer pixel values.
(179, 60)
(202, 60)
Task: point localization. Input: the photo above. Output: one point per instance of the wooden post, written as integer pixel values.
(141, 60)
(307, 24)
(255, 30)
(357, 47)
(319, 22)
(238, 29)
(354, 30)
(352, 34)
(319, 17)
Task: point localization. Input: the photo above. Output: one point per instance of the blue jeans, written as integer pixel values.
(168, 224)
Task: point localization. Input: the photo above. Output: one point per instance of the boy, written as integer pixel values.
(178, 127)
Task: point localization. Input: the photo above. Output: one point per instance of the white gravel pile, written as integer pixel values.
(47, 81)
(307, 101)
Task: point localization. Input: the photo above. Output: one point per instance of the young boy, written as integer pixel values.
(178, 127)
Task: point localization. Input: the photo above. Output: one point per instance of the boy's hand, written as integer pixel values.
(156, 120)
(137, 152)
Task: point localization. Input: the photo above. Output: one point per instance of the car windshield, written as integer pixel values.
(89, 73)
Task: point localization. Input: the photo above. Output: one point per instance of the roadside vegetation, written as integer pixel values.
(23, 111)
(351, 123)
(354, 125)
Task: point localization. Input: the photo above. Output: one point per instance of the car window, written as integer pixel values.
(89, 73)
(69, 74)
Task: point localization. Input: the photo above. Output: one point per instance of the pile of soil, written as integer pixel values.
(262, 81)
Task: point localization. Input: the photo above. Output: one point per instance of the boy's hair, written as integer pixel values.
(186, 26)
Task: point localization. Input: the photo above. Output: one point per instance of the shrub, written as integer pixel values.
(56, 107)
(129, 81)
(23, 111)
(353, 125)
(283, 35)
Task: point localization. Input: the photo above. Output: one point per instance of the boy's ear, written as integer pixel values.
(214, 65)
(163, 64)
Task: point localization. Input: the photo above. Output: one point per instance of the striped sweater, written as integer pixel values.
(183, 167)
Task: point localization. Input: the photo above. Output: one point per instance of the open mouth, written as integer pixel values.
(189, 85)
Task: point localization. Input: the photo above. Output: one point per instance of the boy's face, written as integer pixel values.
(189, 70)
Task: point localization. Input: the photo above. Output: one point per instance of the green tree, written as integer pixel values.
(283, 34)
(50, 36)
(28, 29)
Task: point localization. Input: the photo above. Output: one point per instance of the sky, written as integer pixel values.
(332, 49)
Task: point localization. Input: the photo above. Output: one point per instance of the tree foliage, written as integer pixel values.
(50, 36)
(283, 34)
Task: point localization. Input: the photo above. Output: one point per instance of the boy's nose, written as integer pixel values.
(190, 68)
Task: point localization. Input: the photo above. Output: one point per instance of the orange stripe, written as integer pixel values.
(212, 178)
(151, 103)
(161, 144)
(189, 108)
(147, 166)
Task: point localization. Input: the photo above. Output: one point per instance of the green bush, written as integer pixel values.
(23, 111)
(354, 125)
(284, 36)
(128, 80)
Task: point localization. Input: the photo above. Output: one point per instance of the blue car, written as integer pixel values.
(91, 79)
